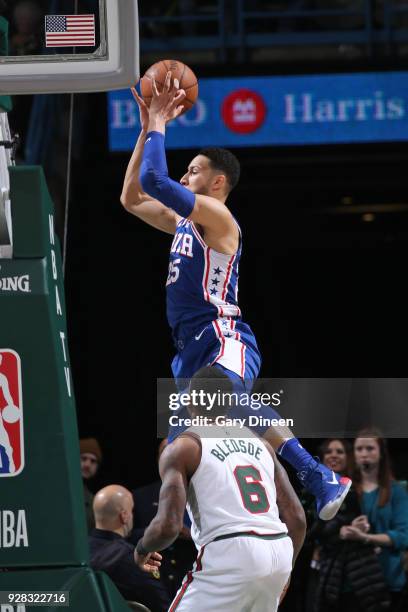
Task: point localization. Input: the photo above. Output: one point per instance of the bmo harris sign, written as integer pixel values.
(270, 111)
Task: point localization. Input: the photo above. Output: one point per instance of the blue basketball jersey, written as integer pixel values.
(202, 284)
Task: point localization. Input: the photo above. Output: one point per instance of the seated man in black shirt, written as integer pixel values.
(111, 553)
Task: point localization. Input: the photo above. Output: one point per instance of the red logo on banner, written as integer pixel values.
(243, 111)
(11, 414)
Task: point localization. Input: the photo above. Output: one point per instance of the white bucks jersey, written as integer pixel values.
(233, 488)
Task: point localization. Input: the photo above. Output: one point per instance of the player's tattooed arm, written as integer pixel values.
(290, 509)
(177, 463)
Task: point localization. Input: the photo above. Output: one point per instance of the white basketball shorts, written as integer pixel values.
(239, 574)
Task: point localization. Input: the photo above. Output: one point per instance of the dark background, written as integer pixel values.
(322, 288)
(323, 272)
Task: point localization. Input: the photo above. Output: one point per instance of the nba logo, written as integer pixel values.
(11, 414)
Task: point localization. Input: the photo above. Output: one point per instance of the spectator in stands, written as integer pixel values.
(178, 559)
(384, 505)
(27, 19)
(360, 558)
(336, 454)
(91, 457)
(111, 553)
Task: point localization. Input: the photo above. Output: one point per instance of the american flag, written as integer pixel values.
(70, 30)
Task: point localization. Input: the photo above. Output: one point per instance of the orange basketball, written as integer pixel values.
(180, 71)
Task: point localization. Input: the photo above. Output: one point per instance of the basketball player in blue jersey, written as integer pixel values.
(202, 281)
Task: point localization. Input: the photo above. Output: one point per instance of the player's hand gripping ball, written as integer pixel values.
(186, 77)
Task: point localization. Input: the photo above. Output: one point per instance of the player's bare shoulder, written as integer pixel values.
(216, 224)
(183, 454)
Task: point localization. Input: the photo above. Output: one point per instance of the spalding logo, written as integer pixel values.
(15, 283)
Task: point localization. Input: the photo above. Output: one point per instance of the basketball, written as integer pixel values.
(187, 80)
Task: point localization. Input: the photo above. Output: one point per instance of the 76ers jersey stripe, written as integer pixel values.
(202, 284)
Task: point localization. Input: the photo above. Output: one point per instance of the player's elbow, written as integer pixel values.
(131, 198)
(125, 201)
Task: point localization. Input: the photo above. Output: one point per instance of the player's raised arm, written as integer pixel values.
(133, 198)
(290, 509)
(177, 463)
(208, 212)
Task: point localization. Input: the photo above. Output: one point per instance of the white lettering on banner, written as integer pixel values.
(124, 114)
(58, 305)
(15, 283)
(68, 379)
(306, 108)
(66, 368)
(196, 116)
(51, 225)
(62, 336)
(58, 301)
(13, 530)
(244, 111)
(54, 266)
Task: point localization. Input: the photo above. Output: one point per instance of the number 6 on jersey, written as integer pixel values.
(253, 494)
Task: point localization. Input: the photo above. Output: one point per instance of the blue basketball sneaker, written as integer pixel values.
(329, 488)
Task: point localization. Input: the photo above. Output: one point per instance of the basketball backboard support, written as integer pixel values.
(5, 212)
(112, 64)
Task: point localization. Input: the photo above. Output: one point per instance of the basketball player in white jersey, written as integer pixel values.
(247, 522)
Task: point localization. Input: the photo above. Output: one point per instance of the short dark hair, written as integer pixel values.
(225, 161)
(211, 380)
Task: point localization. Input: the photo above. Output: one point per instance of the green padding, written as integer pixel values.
(5, 101)
(30, 203)
(5, 104)
(3, 36)
(84, 591)
(41, 504)
(114, 601)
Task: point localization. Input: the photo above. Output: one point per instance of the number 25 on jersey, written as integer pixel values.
(174, 271)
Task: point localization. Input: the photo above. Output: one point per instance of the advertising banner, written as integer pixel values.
(273, 111)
